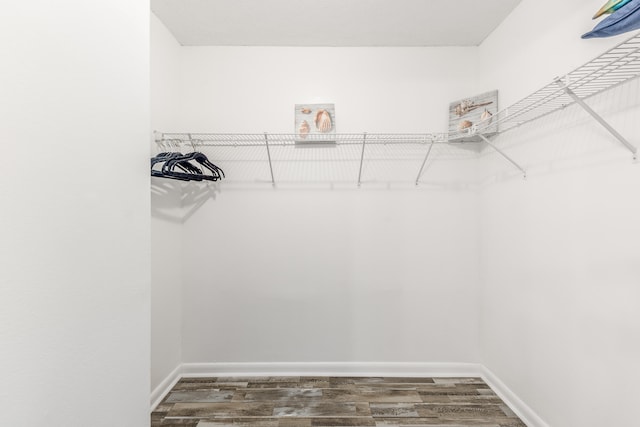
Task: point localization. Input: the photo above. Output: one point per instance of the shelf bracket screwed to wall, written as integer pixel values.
(499, 151)
(598, 118)
(266, 141)
(364, 143)
(424, 162)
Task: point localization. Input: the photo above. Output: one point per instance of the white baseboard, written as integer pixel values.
(521, 409)
(165, 386)
(337, 369)
(333, 369)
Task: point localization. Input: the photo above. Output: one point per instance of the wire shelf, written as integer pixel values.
(364, 157)
(338, 158)
(614, 67)
(291, 139)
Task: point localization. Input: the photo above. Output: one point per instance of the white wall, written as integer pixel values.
(538, 41)
(74, 281)
(308, 276)
(330, 275)
(166, 212)
(560, 251)
(374, 89)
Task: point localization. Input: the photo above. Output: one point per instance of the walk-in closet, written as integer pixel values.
(320, 213)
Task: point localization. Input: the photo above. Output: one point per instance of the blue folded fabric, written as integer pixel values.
(610, 7)
(625, 19)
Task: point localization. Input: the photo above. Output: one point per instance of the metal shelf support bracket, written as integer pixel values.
(424, 162)
(266, 141)
(364, 142)
(499, 151)
(599, 119)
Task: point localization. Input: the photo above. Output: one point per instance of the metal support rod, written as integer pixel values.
(158, 139)
(599, 119)
(266, 141)
(191, 142)
(364, 142)
(484, 138)
(424, 162)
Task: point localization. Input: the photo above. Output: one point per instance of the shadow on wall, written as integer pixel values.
(568, 140)
(176, 202)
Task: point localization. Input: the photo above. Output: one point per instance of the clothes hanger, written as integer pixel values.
(176, 165)
(169, 166)
(190, 172)
(206, 163)
(172, 152)
(187, 167)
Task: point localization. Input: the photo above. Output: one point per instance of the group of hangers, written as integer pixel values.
(185, 167)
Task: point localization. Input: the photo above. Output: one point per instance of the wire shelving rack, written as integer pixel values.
(258, 157)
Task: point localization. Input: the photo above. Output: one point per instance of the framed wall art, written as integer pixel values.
(315, 122)
(471, 113)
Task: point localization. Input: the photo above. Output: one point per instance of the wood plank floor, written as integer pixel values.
(332, 402)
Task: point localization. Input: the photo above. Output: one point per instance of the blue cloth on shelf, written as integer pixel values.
(625, 19)
(610, 7)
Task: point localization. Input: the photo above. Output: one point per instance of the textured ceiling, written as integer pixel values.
(332, 22)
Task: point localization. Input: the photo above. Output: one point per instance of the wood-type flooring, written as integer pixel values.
(332, 402)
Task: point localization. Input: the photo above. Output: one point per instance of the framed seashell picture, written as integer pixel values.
(469, 114)
(315, 122)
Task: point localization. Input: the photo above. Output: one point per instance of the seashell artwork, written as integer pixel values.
(465, 124)
(323, 121)
(304, 129)
(467, 106)
(472, 115)
(315, 123)
(462, 108)
(486, 117)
